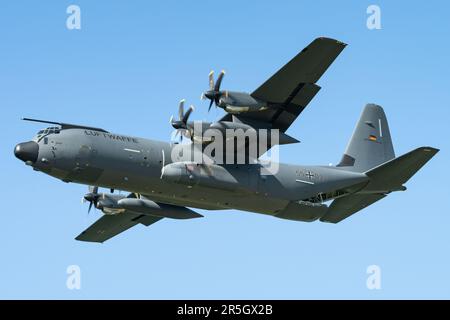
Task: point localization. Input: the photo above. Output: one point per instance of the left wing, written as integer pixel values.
(305, 68)
(109, 226)
(292, 87)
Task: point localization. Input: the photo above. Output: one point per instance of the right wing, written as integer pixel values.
(109, 226)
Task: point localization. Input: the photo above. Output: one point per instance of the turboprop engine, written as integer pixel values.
(148, 207)
(113, 204)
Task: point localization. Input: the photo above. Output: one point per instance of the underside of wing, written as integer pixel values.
(109, 226)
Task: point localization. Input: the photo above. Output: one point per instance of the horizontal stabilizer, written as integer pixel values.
(387, 177)
(302, 211)
(346, 206)
(391, 175)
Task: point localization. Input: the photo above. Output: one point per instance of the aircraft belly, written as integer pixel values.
(206, 198)
(195, 196)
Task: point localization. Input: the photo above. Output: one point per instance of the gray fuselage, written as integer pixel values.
(134, 164)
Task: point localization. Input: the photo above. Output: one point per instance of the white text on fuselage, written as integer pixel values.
(110, 136)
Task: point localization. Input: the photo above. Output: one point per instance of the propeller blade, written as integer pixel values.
(187, 115)
(181, 109)
(90, 206)
(219, 81)
(179, 134)
(210, 105)
(171, 119)
(211, 80)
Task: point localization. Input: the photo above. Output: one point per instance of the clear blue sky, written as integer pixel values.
(126, 70)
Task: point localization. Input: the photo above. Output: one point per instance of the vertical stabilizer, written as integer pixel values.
(370, 144)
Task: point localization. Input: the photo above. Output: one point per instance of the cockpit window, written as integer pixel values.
(43, 133)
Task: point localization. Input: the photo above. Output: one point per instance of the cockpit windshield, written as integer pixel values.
(43, 133)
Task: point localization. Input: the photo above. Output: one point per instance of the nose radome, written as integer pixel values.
(27, 151)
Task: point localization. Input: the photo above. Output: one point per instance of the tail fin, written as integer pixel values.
(370, 144)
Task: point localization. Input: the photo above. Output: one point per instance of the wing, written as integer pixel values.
(305, 68)
(292, 87)
(109, 226)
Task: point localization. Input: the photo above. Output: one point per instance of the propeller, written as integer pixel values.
(181, 125)
(214, 94)
(92, 197)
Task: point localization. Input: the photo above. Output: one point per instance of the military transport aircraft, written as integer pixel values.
(162, 183)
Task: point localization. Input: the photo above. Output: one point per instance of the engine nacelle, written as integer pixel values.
(108, 204)
(148, 207)
(224, 125)
(240, 102)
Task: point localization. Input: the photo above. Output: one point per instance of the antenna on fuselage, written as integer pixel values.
(42, 121)
(65, 125)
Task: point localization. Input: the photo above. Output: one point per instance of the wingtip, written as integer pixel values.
(332, 39)
(430, 149)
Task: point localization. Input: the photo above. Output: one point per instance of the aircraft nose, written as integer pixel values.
(27, 151)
